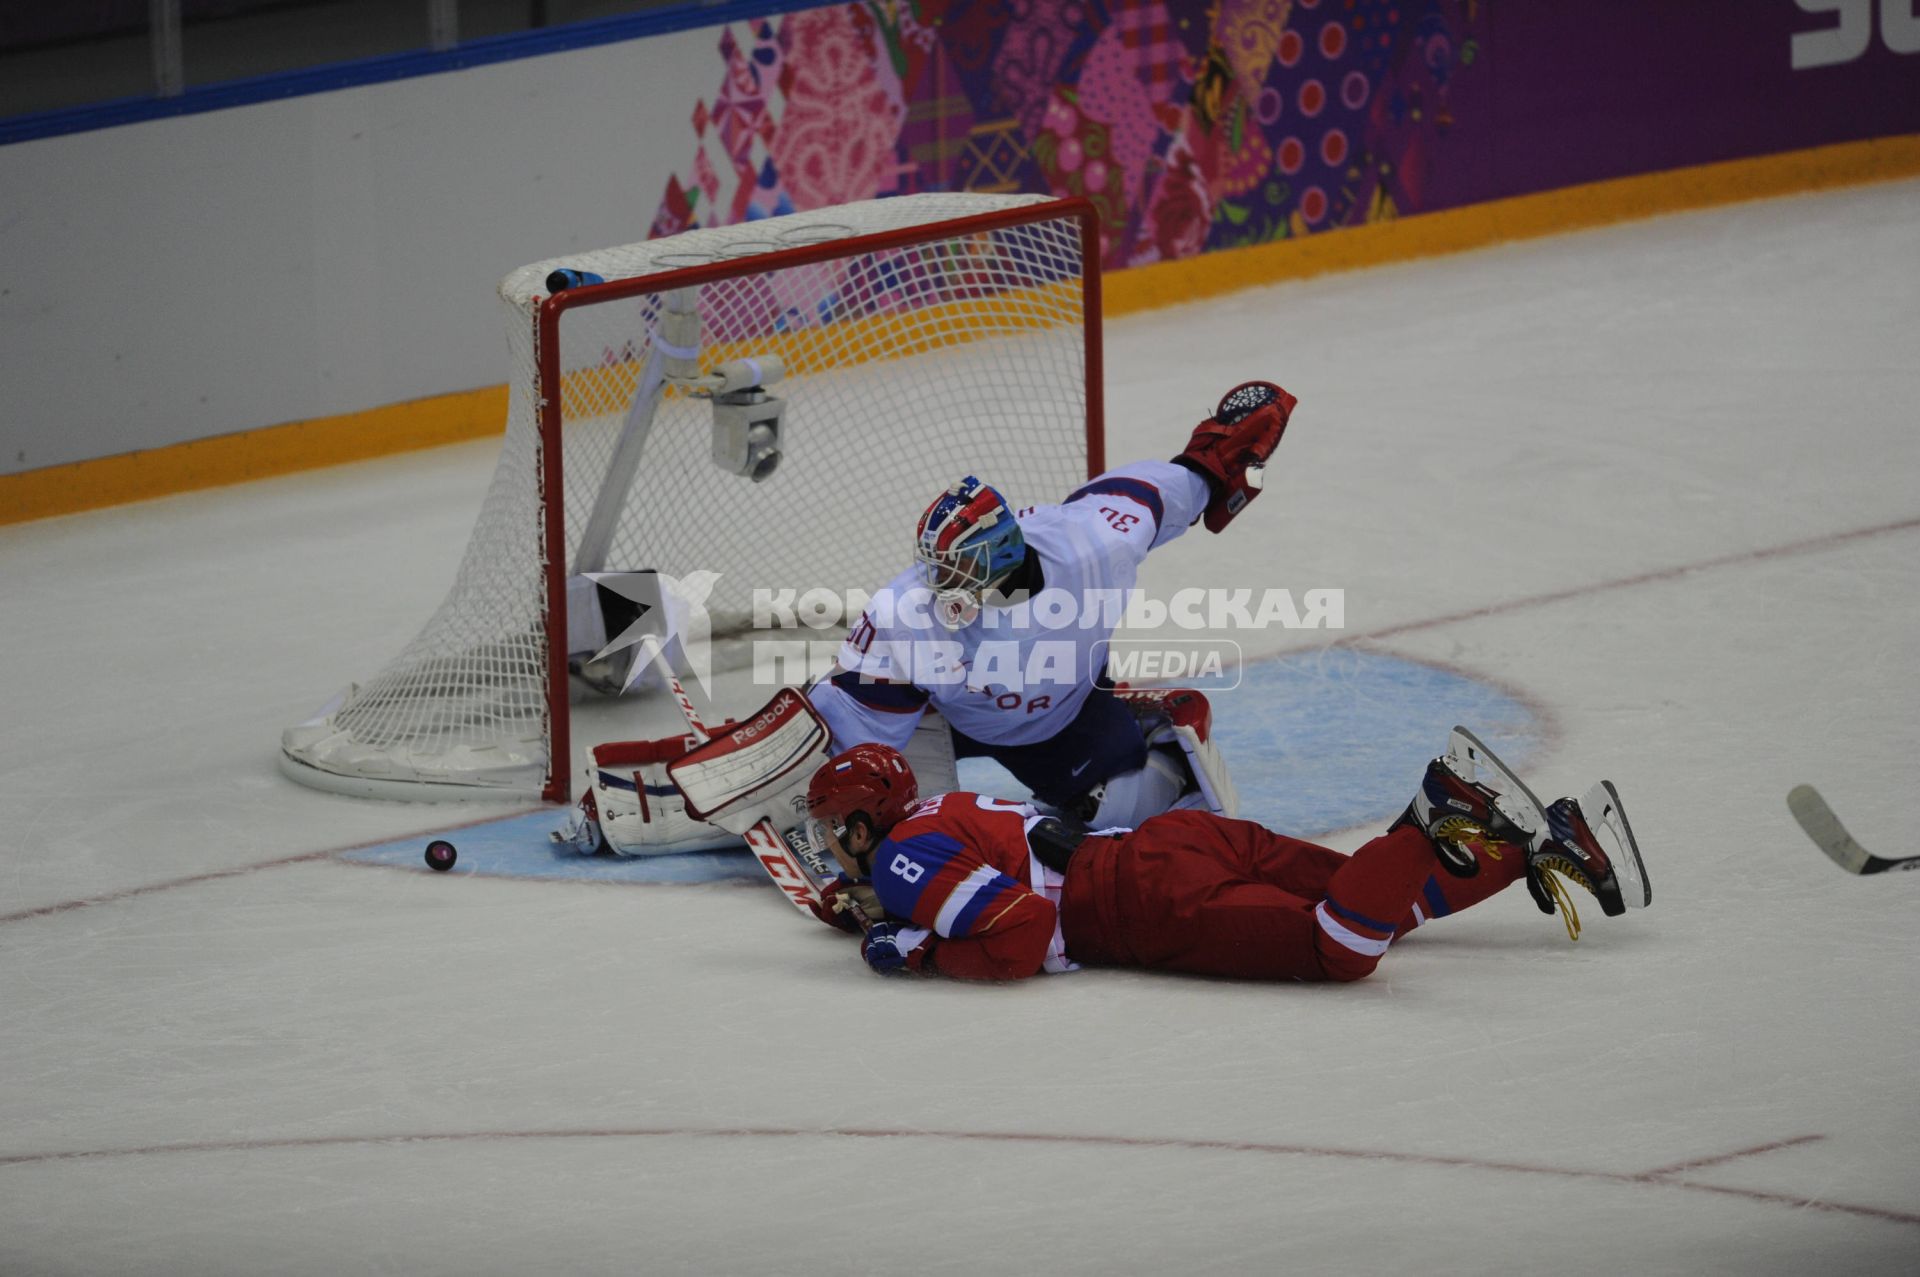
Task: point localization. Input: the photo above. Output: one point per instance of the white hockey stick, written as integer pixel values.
(1828, 834)
(782, 863)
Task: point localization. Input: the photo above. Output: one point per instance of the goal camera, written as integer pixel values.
(746, 419)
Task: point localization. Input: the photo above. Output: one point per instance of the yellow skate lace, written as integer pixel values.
(1484, 842)
(1547, 868)
(1460, 829)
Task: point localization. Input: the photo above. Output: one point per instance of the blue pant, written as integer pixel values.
(1103, 740)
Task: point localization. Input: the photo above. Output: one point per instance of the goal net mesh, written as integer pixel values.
(916, 352)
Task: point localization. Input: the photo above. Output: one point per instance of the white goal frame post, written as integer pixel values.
(477, 706)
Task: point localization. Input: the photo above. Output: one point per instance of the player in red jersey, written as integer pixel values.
(979, 888)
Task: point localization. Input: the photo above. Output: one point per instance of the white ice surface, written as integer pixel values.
(1610, 458)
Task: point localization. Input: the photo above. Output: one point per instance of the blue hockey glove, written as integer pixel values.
(886, 947)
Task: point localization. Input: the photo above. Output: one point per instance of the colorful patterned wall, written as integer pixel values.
(1199, 125)
(1192, 127)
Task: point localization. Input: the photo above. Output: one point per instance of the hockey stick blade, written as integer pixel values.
(1828, 834)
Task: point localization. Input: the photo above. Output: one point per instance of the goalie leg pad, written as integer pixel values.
(634, 806)
(1183, 717)
(1130, 799)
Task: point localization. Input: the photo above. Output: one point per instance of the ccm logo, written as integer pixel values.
(1847, 40)
(786, 877)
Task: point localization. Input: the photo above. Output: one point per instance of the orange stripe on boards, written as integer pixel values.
(473, 414)
(1522, 217)
(252, 454)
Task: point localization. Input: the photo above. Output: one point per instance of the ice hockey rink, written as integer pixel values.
(1658, 484)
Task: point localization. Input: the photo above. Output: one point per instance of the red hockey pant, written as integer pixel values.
(1190, 891)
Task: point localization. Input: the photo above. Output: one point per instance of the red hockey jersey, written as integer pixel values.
(982, 907)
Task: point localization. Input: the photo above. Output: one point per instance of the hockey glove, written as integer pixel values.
(887, 948)
(1230, 449)
(848, 905)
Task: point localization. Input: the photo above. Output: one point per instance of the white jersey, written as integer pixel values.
(1014, 675)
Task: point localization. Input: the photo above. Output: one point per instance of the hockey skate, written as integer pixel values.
(601, 675)
(1588, 841)
(1465, 817)
(581, 832)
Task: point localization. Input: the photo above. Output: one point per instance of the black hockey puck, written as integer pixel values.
(441, 855)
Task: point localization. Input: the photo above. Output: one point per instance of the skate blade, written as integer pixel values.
(1473, 761)
(1608, 820)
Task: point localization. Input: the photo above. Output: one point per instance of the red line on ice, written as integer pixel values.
(1700, 1162)
(1660, 1178)
(1809, 546)
(128, 893)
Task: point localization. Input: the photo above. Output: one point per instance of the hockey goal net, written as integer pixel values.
(913, 340)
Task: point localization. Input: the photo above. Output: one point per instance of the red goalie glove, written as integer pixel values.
(1230, 448)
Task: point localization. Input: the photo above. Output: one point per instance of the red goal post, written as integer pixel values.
(904, 342)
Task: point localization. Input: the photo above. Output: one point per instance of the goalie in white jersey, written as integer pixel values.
(1002, 626)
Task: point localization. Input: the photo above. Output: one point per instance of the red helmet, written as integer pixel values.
(871, 779)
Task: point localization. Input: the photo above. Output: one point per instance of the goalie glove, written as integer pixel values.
(1230, 449)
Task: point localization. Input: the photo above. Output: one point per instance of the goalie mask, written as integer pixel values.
(966, 544)
(870, 783)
